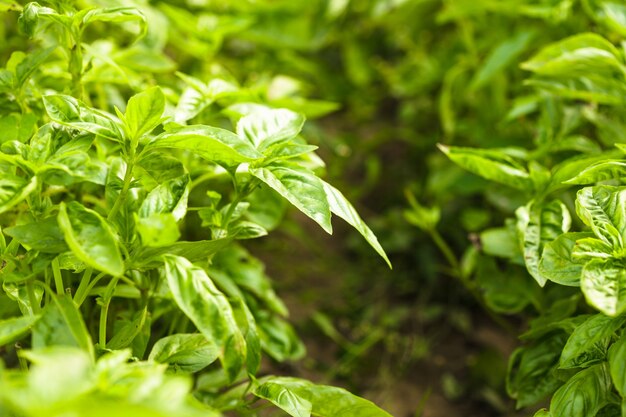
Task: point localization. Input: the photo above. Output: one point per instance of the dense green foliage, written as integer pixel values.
(141, 145)
(121, 222)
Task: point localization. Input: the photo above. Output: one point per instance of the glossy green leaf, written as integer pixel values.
(603, 208)
(266, 127)
(194, 251)
(68, 111)
(14, 189)
(490, 164)
(531, 376)
(604, 284)
(116, 15)
(300, 187)
(129, 330)
(168, 197)
(144, 111)
(538, 225)
(617, 364)
(557, 263)
(196, 295)
(587, 343)
(62, 324)
(211, 143)
(600, 171)
(584, 394)
(502, 56)
(284, 399)
(340, 206)
(185, 352)
(587, 54)
(29, 65)
(158, 229)
(15, 328)
(325, 400)
(90, 238)
(44, 236)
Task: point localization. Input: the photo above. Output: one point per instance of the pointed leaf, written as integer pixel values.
(185, 352)
(284, 399)
(340, 206)
(267, 127)
(326, 400)
(90, 238)
(557, 262)
(144, 111)
(14, 189)
(584, 394)
(604, 284)
(588, 338)
(168, 197)
(16, 327)
(300, 187)
(68, 111)
(211, 143)
(490, 164)
(196, 295)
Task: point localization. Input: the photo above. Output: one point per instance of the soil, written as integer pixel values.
(449, 365)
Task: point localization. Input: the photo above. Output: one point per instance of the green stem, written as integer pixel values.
(79, 299)
(84, 284)
(58, 278)
(106, 301)
(128, 176)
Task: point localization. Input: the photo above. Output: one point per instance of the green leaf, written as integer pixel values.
(62, 325)
(266, 127)
(129, 330)
(284, 399)
(503, 55)
(90, 238)
(68, 111)
(531, 376)
(611, 15)
(585, 54)
(211, 143)
(300, 187)
(196, 295)
(600, 171)
(168, 197)
(587, 344)
(325, 400)
(603, 208)
(33, 60)
(116, 15)
(557, 263)
(537, 225)
(158, 229)
(490, 164)
(44, 236)
(15, 328)
(604, 284)
(584, 394)
(617, 364)
(14, 189)
(144, 111)
(185, 352)
(340, 206)
(501, 242)
(194, 251)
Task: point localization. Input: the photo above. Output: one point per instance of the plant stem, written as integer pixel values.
(106, 301)
(80, 299)
(84, 284)
(128, 176)
(58, 278)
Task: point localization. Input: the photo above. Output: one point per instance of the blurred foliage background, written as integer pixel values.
(382, 82)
